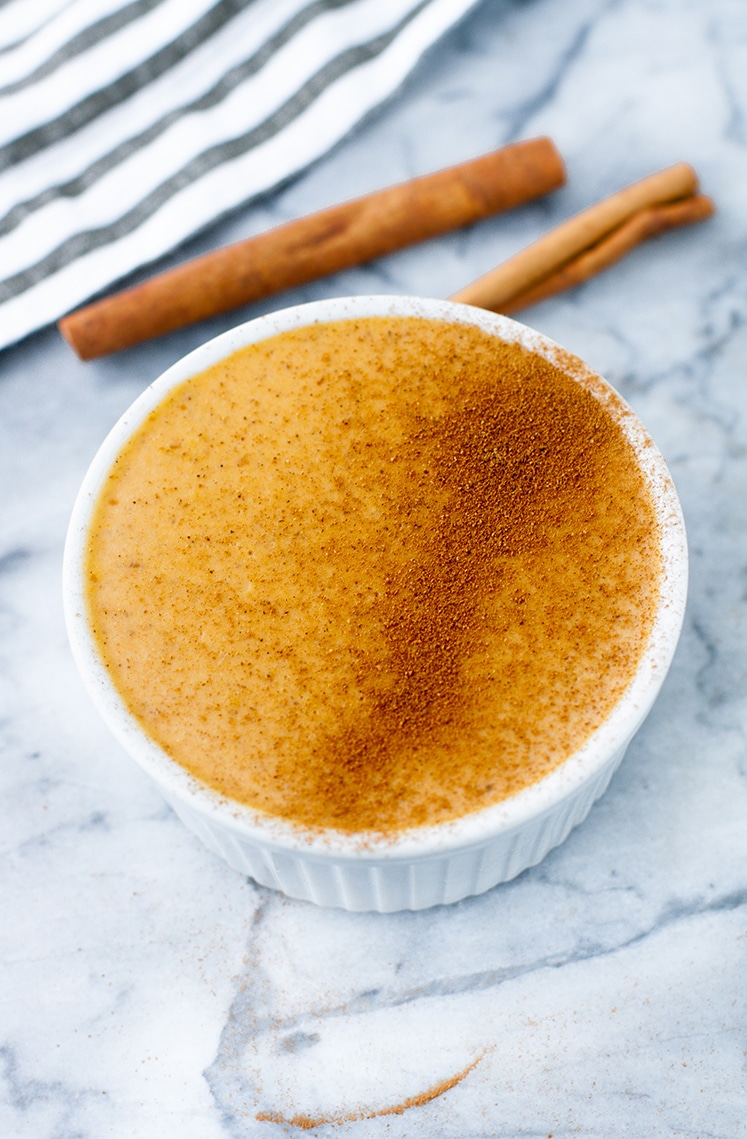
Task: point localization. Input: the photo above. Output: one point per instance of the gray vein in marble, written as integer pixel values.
(674, 912)
(96, 821)
(14, 559)
(523, 115)
(707, 677)
(32, 1097)
(232, 1097)
(735, 127)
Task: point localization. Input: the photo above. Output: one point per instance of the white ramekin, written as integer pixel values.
(424, 866)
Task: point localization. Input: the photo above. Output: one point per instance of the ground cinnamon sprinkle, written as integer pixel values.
(307, 1122)
(376, 573)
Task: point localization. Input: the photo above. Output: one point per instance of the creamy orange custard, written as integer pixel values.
(375, 573)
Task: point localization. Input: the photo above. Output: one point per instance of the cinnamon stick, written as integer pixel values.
(310, 247)
(572, 238)
(647, 223)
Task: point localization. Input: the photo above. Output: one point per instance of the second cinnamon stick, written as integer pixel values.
(647, 223)
(567, 241)
(311, 247)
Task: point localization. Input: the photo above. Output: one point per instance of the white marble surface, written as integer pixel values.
(147, 989)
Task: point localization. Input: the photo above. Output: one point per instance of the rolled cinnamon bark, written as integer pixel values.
(310, 247)
(647, 223)
(570, 239)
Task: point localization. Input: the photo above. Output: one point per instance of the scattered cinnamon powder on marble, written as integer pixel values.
(307, 1122)
(376, 573)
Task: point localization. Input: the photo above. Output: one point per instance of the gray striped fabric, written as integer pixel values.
(128, 125)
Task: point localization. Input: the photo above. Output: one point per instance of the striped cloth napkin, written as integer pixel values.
(126, 127)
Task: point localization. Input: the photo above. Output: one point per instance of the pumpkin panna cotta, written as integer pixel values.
(371, 568)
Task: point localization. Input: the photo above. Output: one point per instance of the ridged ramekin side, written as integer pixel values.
(386, 885)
